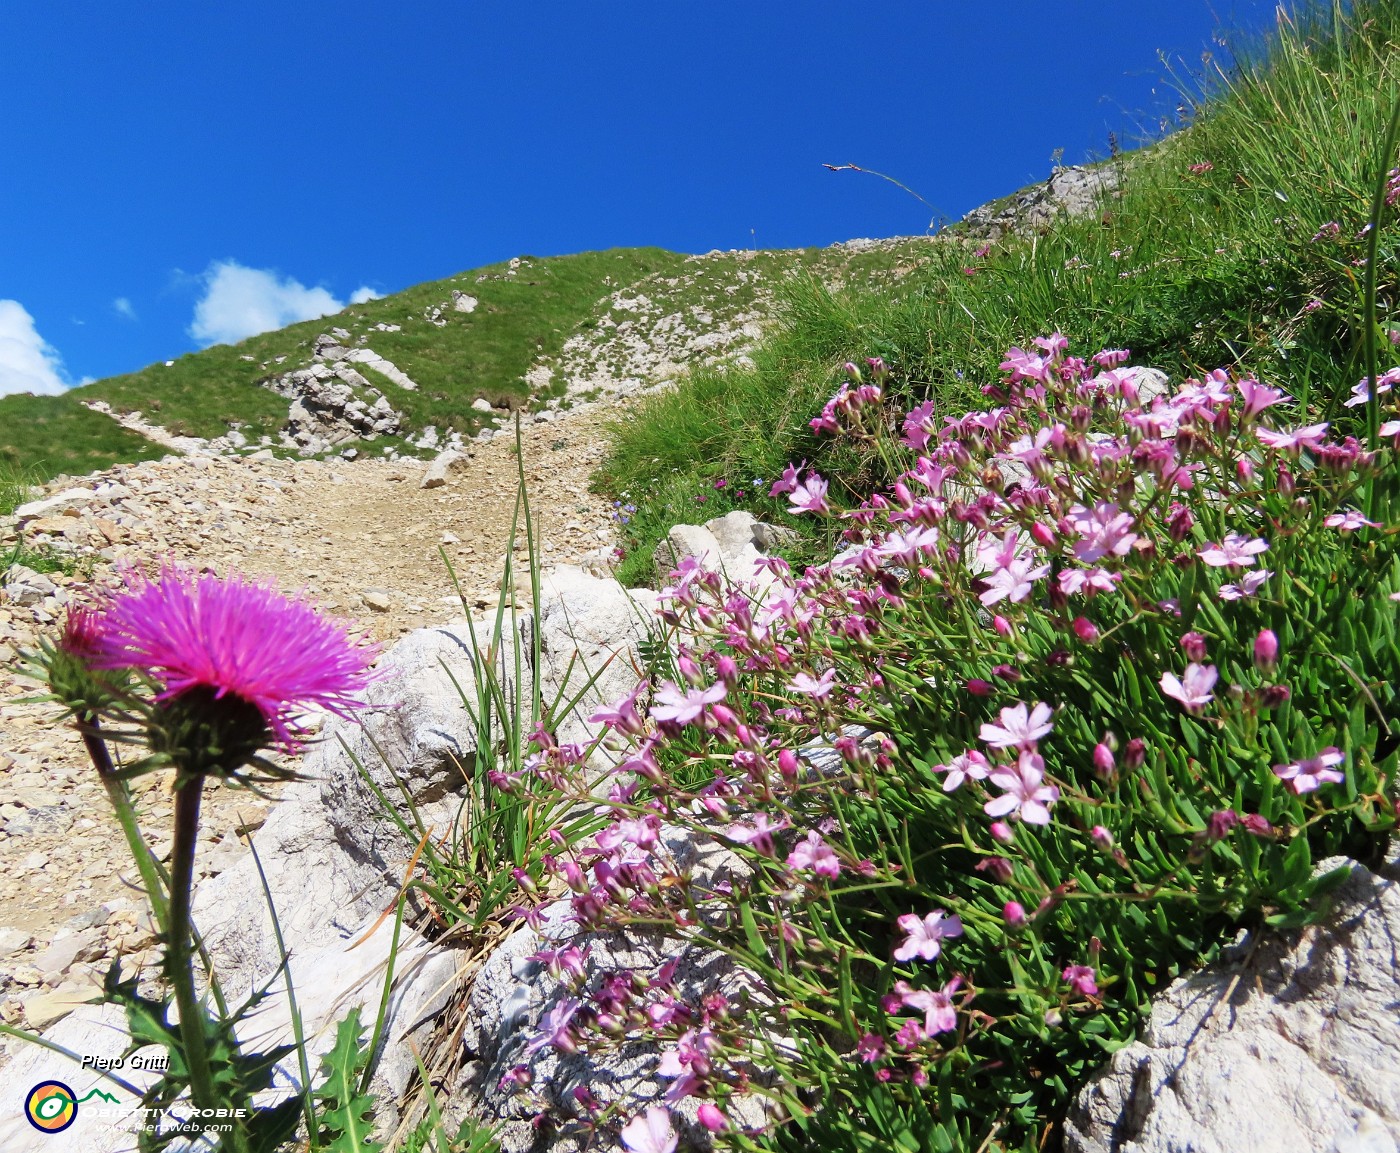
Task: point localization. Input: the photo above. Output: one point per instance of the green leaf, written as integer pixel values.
(346, 1116)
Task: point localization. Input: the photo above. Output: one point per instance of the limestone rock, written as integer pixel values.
(436, 474)
(24, 586)
(596, 626)
(1072, 191)
(59, 503)
(1292, 1045)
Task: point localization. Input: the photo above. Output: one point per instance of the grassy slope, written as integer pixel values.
(1191, 270)
(482, 353)
(523, 316)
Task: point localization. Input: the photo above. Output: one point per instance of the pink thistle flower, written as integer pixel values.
(232, 637)
(1306, 775)
(650, 1132)
(925, 935)
(1019, 726)
(1234, 551)
(1193, 689)
(1025, 794)
(815, 854)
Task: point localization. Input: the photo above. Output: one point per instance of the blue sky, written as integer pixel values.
(172, 174)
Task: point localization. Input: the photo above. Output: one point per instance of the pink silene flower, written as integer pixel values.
(1290, 440)
(1350, 520)
(1013, 583)
(817, 687)
(1193, 689)
(1249, 584)
(759, 834)
(1390, 428)
(623, 715)
(1081, 980)
(810, 496)
(918, 426)
(1088, 581)
(557, 1028)
(1361, 391)
(650, 1132)
(788, 481)
(940, 1015)
(1234, 551)
(925, 935)
(1104, 529)
(1257, 397)
(1026, 793)
(815, 854)
(871, 1047)
(233, 637)
(1020, 727)
(683, 707)
(966, 765)
(1306, 775)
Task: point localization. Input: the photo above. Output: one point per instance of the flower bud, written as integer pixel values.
(1085, 630)
(1104, 764)
(1194, 646)
(998, 868)
(1275, 695)
(1285, 481)
(713, 1120)
(1014, 915)
(1001, 832)
(1002, 626)
(1265, 651)
(1180, 522)
(1101, 837)
(1244, 469)
(1134, 753)
(1043, 534)
(979, 688)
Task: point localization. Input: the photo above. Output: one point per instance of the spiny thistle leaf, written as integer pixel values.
(345, 1115)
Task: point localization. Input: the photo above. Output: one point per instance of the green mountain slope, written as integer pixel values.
(518, 334)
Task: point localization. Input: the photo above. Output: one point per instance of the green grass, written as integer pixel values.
(43, 436)
(1191, 270)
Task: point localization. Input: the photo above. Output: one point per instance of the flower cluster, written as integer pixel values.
(987, 752)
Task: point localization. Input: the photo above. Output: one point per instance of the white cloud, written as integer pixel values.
(239, 302)
(122, 307)
(28, 362)
(363, 294)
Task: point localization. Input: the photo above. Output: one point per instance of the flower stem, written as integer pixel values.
(90, 728)
(178, 955)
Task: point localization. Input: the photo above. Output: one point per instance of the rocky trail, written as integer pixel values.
(361, 538)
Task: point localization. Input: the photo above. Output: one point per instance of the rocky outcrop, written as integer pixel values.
(1290, 1045)
(1072, 191)
(734, 544)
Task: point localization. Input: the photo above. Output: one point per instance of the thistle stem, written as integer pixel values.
(90, 728)
(178, 954)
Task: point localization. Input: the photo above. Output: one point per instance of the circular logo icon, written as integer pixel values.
(51, 1107)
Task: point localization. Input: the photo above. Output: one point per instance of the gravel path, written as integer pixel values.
(361, 537)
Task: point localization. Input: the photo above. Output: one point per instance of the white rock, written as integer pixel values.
(69, 498)
(1293, 1048)
(437, 472)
